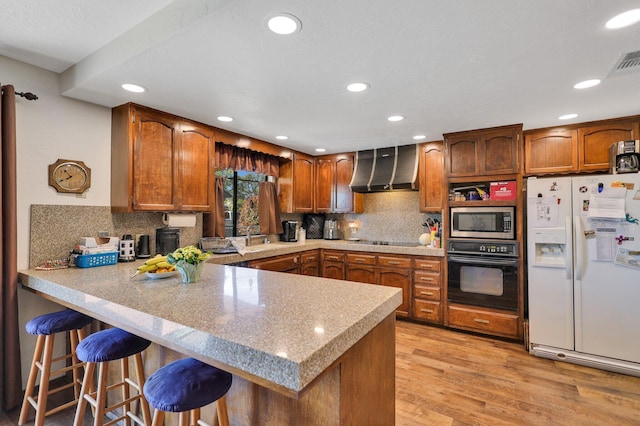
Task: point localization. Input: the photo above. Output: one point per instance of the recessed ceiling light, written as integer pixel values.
(418, 137)
(396, 118)
(284, 24)
(358, 87)
(133, 88)
(624, 19)
(320, 150)
(282, 137)
(225, 118)
(567, 116)
(586, 84)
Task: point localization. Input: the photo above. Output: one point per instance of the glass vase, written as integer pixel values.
(190, 272)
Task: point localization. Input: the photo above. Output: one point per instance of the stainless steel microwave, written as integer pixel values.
(483, 222)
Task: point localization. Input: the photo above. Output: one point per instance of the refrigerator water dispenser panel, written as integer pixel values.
(550, 247)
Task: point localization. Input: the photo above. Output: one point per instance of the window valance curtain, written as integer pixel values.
(235, 158)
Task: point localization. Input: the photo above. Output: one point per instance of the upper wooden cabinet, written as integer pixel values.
(485, 152)
(431, 176)
(550, 151)
(159, 162)
(318, 185)
(578, 148)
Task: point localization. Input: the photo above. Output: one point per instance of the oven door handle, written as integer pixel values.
(484, 261)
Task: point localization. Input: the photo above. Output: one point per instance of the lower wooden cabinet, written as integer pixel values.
(399, 278)
(427, 291)
(285, 263)
(333, 264)
(310, 263)
(484, 321)
(361, 268)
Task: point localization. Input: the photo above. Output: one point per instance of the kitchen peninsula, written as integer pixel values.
(303, 350)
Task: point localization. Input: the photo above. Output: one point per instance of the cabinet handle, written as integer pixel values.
(360, 260)
(426, 311)
(394, 263)
(481, 321)
(426, 279)
(295, 260)
(332, 257)
(426, 293)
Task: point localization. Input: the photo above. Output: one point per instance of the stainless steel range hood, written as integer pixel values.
(386, 169)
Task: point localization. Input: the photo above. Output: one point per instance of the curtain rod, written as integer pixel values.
(27, 95)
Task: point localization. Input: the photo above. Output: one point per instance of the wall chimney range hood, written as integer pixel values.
(386, 169)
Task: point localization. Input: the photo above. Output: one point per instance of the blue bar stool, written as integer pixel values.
(46, 327)
(185, 386)
(97, 350)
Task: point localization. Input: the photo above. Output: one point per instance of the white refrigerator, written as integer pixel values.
(583, 260)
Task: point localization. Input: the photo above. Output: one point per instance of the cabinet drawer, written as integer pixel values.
(427, 278)
(496, 323)
(286, 263)
(426, 292)
(335, 256)
(428, 265)
(362, 259)
(424, 310)
(394, 262)
(309, 257)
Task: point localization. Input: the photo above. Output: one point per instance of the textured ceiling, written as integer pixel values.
(444, 65)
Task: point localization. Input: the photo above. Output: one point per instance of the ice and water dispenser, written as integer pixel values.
(550, 247)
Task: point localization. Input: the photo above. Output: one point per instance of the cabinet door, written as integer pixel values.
(463, 158)
(361, 273)
(500, 151)
(303, 183)
(344, 198)
(331, 269)
(325, 184)
(594, 142)
(400, 278)
(154, 162)
(551, 151)
(285, 263)
(195, 172)
(310, 262)
(431, 176)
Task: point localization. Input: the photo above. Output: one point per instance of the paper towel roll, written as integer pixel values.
(182, 220)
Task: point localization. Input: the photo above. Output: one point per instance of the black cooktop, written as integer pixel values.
(387, 243)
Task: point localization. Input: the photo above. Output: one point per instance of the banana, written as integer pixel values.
(164, 264)
(152, 264)
(147, 268)
(156, 260)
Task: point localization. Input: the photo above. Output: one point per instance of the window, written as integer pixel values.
(241, 202)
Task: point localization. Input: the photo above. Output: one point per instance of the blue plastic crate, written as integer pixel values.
(99, 259)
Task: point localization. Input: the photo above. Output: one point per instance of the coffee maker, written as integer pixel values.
(624, 157)
(289, 231)
(167, 240)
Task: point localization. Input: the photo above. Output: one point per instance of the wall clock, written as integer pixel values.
(69, 176)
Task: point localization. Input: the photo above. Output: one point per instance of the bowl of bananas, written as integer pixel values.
(157, 268)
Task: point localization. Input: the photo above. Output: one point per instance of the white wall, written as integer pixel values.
(47, 129)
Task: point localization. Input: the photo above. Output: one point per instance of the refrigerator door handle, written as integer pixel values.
(568, 255)
(580, 248)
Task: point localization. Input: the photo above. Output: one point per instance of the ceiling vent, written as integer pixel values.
(627, 64)
(386, 169)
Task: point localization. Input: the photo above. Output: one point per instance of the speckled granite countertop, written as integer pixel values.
(278, 330)
(278, 248)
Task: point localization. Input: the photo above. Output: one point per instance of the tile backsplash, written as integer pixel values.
(56, 229)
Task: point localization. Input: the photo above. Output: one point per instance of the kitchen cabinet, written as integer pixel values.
(361, 268)
(427, 290)
(431, 176)
(578, 148)
(486, 152)
(333, 264)
(318, 185)
(310, 263)
(550, 151)
(159, 162)
(289, 263)
(484, 321)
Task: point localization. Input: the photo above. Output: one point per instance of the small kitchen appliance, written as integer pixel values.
(142, 248)
(624, 157)
(289, 231)
(331, 231)
(127, 252)
(167, 240)
(313, 223)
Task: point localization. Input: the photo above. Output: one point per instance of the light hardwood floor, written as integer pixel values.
(445, 377)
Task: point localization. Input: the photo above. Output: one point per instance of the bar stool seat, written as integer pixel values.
(97, 350)
(46, 327)
(185, 386)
